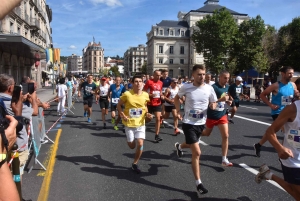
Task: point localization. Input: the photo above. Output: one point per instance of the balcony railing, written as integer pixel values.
(34, 23)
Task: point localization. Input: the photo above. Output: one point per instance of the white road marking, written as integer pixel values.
(253, 120)
(255, 172)
(181, 131)
(253, 108)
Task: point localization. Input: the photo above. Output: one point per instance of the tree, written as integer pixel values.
(144, 68)
(248, 43)
(115, 70)
(213, 36)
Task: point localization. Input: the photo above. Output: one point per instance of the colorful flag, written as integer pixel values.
(51, 55)
(56, 55)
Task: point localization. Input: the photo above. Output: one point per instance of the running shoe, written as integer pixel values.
(89, 120)
(179, 152)
(85, 114)
(104, 125)
(135, 168)
(226, 163)
(263, 170)
(176, 131)
(157, 138)
(257, 149)
(113, 120)
(201, 189)
(116, 128)
(231, 121)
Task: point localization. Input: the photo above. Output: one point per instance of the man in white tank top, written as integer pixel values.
(170, 94)
(288, 152)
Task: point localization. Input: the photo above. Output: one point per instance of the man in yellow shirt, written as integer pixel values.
(133, 117)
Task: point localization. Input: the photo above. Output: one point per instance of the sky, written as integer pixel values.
(120, 24)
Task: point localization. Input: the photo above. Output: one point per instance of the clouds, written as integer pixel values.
(72, 47)
(110, 3)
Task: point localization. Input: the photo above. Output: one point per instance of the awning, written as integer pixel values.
(20, 46)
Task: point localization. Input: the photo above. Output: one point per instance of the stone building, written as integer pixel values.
(25, 33)
(134, 59)
(93, 58)
(74, 63)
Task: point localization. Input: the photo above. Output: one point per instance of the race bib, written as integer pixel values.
(156, 94)
(164, 89)
(220, 106)
(196, 116)
(238, 90)
(286, 100)
(115, 100)
(135, 112)
(293, 138)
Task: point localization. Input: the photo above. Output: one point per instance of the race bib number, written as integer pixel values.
(164, 89)
(220, 106)
(293, 138)
(156, 94)
(196, 116)
(115, 100)
(135, 112)
(238, 90)
(286, 100)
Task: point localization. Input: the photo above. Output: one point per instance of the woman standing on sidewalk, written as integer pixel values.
(61, 90)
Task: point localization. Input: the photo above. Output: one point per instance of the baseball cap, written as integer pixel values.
(174, 80)
(103, 78)
(239, 78)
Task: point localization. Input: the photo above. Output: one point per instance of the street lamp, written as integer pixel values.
(179, 72)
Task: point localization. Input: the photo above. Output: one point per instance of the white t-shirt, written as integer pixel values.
(197, 100)
(291, 140)
(61, 90)
(104, 90)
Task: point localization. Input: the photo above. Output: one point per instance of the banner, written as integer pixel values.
(47, 55)
(56, 55)
(61, 67)
(51, 55)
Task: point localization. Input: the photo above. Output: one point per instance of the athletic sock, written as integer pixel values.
(223, 158)
(179, 147)
(269, 175)
(198, 182)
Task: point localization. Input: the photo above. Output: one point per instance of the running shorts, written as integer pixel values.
(192, 132)
(135, 133)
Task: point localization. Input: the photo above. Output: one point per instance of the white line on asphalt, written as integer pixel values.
(256, 172)
(253, 120)
(181, 131)
(253, 108)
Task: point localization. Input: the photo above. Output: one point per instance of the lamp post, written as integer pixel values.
(179, 72)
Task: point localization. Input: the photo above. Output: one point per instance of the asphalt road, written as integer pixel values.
(94, 163)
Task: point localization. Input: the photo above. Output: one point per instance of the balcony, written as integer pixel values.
(34, 24)
(17, 11)
(27, 18)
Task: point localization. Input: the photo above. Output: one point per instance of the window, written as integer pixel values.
(181, 61)
(161, 32)
(160, 60)
(11, 27)
(181, 73)
(171, 73)
(171, 61)
(171, 32)
(171, 49)
(95, 58)
(181, 49)
(161, 49)
(182, 33)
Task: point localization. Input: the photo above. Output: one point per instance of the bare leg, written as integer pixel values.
(139, 150)
(157, 122)
(233, 111)
(224, 133)
(293, 190)
(103, 114)
(195, 148)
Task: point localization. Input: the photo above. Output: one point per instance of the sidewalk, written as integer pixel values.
(46, 94)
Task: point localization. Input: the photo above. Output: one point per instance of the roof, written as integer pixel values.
(173, 23)
(212, 5)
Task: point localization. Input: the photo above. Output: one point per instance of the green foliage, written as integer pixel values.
(144, 68)
(115, 70)
(214, 36)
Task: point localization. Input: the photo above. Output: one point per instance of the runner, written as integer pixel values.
(288, 152)
(170, 93)
(235, 90)
(135, 101)
(218, 116)
(208, 79)
(103, 97)
(199, 96)
(282, 94)
(154, 106)
(115, 91)
(166, 80)
(89, 88)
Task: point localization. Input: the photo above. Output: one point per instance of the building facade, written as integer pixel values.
(25, 33)
(170, 45)
(134, 59)
(74, 63)
(93, 58)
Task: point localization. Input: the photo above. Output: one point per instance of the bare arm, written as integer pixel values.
(7, 6)
(266, 92)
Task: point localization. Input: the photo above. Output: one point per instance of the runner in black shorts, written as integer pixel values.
(103, 99)
(198, 96)
(89, 88)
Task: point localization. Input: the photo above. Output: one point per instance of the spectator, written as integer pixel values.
(61, 90)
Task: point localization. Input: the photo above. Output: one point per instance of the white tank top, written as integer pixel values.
(104, 90)
(292, 140)
(173, 93)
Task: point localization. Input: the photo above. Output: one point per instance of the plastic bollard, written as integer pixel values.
(16, 170)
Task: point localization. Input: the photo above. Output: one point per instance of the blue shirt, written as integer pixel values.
(116, 93)
(285, 92)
